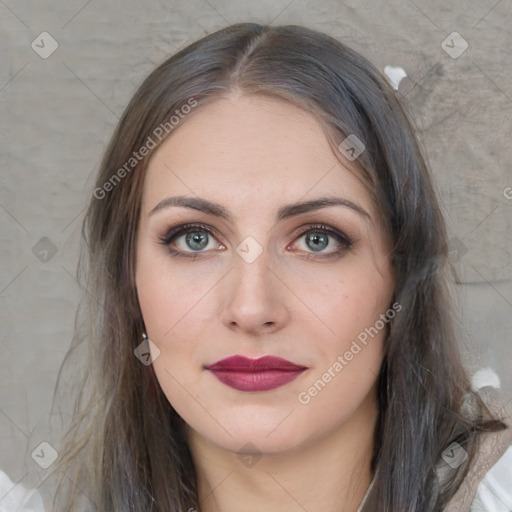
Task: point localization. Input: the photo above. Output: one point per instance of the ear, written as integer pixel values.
(136, 310)
(137, 315)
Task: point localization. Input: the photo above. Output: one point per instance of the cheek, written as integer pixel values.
(169, 304)
(349, 360)
(348, 300)
(171, 296)
(350, 303)
(171, 317)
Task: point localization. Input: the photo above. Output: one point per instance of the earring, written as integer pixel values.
(144, 336)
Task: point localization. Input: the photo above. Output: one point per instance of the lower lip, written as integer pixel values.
(264, 380)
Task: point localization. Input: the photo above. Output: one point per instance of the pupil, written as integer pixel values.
(318, 239)
(197, 240)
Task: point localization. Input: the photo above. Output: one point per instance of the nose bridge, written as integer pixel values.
(254, 300)
(252, 278)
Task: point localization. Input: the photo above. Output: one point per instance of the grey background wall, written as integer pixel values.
(68, 69)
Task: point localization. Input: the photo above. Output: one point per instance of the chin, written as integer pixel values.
(257, 443)
(264, 435)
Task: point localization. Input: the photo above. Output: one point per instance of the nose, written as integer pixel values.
(254, 298)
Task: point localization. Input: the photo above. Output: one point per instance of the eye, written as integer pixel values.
(323, 240)
(190, 240)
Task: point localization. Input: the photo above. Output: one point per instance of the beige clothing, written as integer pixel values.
(493, 445)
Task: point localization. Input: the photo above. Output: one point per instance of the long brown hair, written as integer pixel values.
(126, 448)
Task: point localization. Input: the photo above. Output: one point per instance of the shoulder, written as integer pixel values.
(488, 482)
(16, 497)
(494, 493)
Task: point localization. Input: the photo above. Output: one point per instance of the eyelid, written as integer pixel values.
(173, 233)
(183, 228)
(341, 238)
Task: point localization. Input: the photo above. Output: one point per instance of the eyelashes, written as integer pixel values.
(185, 229)
(199, 233)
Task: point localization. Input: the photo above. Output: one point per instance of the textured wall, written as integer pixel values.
(57, 111)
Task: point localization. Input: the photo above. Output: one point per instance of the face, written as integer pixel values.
(268, 308)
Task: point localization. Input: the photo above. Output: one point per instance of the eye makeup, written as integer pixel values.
(315, 232)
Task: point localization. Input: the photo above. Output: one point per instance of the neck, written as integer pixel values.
(329, 474)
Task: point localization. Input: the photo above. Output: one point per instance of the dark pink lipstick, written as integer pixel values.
(262, 374)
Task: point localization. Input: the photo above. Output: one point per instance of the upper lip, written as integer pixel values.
(246, 364)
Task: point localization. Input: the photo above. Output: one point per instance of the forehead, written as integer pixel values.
(247, 151)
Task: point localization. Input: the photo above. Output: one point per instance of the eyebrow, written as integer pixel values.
(285, 212)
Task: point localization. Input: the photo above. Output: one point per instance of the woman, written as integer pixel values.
(269, 321)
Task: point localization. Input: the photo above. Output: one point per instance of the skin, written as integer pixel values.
(252, 155)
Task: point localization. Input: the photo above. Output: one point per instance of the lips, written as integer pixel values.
(262, 374)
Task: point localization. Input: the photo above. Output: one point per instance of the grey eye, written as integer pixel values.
(317, 241)
(196, 240)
